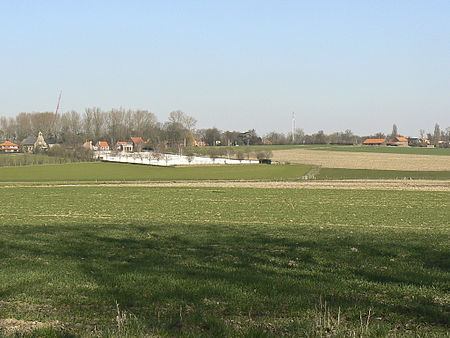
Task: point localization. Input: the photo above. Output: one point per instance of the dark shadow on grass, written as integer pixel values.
(156, 268)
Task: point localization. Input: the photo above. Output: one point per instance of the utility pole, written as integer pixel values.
(293, 127)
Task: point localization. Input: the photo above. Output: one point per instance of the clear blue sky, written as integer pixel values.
(362, 65)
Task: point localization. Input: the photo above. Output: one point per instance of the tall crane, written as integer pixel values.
(57, 106)
(56, 114)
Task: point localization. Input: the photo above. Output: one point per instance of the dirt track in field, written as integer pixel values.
(405, 185)
(356, 160)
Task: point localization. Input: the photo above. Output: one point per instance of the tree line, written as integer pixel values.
(73, 128)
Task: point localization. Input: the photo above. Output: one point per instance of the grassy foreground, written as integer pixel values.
(225, 262)
(98, 171)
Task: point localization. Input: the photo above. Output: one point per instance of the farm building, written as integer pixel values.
(374, 142)
(102, 146)
(9, 147)
(398, 141)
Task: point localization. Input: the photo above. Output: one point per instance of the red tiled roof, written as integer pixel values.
(8, 144)
(137, 140)
(402, 139)
(122, 142)
(103, 144)
(374, 140)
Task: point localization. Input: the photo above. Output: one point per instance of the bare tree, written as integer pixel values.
(43, 122)
(436, 135)
(23, 123)
(87, 123)
(264, 155)
(240, 156)
(8, 128)
(422, 133)
(98, 120)
(229, 152)
(116, 124)
(394, 130)
(178, 116)
(70, 127)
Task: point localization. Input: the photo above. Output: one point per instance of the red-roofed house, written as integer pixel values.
(138, 143)
(375, 142)
(398, 141)
(124, 146)
(89, 145)
(199, 143)
(102, 146)
(9, 147)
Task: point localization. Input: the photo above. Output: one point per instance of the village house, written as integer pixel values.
(199, 143)
(89, 145)
(138, 143)
(375, 142)
(102, 146)
(418, 142)
(126, 147)
(33, 143)
(9, 147)
(398, 141)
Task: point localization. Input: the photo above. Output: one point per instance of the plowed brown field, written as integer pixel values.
(411, 185)
(354, 160)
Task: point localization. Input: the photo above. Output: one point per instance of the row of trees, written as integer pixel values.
(347, 137)
(72, 128)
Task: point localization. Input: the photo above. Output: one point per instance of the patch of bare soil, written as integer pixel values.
(355, 160)
(12, 326)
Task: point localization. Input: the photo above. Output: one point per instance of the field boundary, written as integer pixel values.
(401, 185)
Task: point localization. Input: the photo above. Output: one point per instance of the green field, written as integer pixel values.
(345, 174)
(358, 148)
(104, 172)
(22, 159)
(98, 171)
(225, 262)
(387, 150)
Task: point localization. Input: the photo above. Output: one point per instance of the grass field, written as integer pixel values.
(386, 150)
(350, 148)
(104, 172)
(127, 172)
(224, 262)
(345, 174)
(21, 159)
